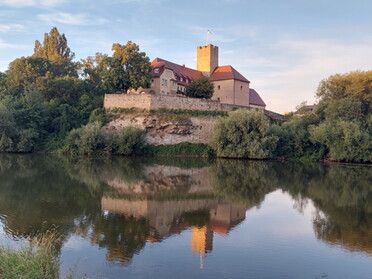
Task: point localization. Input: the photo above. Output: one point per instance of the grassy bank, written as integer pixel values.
(182, 149)
(38, 260)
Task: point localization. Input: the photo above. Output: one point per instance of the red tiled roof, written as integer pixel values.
(180, 71)
(254, 98)
(226, 72)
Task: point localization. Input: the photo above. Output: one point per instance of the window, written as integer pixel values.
(181, 79)
(241, 87)
(156, 70)
(164, 82)
(219, 87)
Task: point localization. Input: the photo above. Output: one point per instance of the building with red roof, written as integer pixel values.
(230, 87)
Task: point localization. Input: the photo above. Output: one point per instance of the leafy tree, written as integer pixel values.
(345, 108)
(294, 138)
(345, 140)
(127, 68)
(353, 91)
(244, 134)
(200, 88)
(55, 49)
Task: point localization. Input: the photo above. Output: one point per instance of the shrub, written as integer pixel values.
(345, 140)
(244, 134)
(200, 88)
(85, 140)
(130, 140)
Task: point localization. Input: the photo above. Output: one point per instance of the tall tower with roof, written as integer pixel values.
(207, 59)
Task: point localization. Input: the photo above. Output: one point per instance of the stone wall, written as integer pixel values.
(142, 101)
(152, 101)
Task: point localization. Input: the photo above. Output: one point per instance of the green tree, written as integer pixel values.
(200, 88)
(55, 49)
(351, 91)
(345, 109)
(345, 140)
(244, 134)
(127, 68)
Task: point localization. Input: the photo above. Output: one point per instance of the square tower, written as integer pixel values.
(207, 59)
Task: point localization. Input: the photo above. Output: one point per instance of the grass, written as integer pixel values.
(190, 112)
(38, 260)
(181, 149)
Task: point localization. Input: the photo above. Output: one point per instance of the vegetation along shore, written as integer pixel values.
(51, 103)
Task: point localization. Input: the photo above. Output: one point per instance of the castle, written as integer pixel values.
(169, 81)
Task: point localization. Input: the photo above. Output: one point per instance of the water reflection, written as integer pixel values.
(121, 204)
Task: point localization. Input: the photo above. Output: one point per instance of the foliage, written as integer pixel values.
(181, 149)
(85, 140)
(127, 68)
(354, 87)
(244, 134)
(130, 141)
(345, 109)
(38, 260)
(294, 139)
(91, 139)
(345, 140)
(190, 112)
(200, 88)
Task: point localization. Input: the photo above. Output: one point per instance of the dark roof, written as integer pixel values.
(226, 72)
(180, 71)
(254, 98)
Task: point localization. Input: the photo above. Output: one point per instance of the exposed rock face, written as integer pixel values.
(167, 129)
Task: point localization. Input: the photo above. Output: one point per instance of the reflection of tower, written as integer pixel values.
(202, 242)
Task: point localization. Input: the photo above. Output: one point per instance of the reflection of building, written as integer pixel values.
(170, 217)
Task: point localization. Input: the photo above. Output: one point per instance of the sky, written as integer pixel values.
(284, 47)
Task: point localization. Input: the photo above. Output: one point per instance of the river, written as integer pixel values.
(191, 218)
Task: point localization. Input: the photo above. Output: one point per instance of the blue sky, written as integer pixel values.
(284, 47)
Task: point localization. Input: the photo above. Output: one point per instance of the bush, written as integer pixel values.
(244, 134)
(200, 88)
(294, 139)
(130, 141)
(345, 140)
(85, 140)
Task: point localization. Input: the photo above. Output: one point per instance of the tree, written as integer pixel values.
(127, 68)
(244, 134)
(200, 88)
(345, 108)
(355, 87)
(56, 50)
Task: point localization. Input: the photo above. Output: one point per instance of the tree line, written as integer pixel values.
(50, 102)
(46, 95)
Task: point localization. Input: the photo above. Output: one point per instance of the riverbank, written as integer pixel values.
(37, 260)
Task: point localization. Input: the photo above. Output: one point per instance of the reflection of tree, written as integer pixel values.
(36, 195)
(243, 182)
(343, 198)
(121, 236)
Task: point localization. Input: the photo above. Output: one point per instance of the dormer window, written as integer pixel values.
(181, 79)
(156, 70)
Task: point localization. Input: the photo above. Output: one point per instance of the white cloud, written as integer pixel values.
(71, 19)
(4, 45)
(8, 28)
(308, 62)
(30, 3)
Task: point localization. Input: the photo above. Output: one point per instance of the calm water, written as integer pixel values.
(194, 218)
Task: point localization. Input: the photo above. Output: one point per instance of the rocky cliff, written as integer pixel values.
(167, 129)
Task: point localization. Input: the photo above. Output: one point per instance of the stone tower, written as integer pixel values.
(207, 59)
